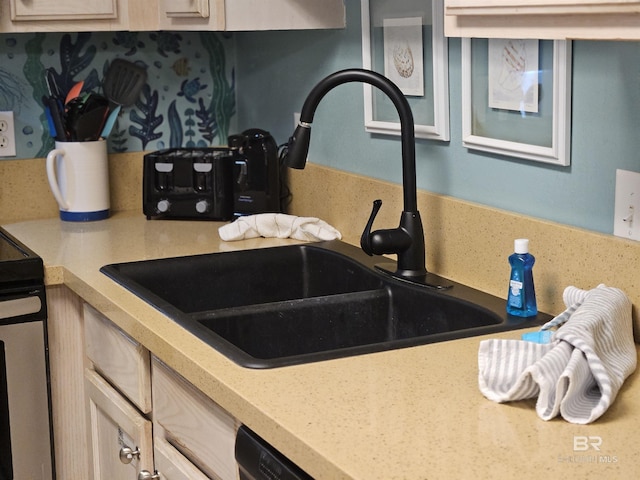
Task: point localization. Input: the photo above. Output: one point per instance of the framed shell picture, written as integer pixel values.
(404, 40)
(516, 98)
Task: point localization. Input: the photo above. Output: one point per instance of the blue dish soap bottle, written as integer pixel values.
(521, 300)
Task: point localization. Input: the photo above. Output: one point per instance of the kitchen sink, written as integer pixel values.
(234, 279)
(295, 304)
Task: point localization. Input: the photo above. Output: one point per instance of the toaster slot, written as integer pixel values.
(163, 176)
(202, 176)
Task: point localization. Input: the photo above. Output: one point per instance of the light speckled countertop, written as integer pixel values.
(414, 413)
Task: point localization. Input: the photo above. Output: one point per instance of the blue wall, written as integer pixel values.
(271, 74)
(276, 70)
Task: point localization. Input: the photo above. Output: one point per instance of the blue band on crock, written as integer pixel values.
(84, 216)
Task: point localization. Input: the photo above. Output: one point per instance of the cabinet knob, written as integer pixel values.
(147, 475)
(127, 454)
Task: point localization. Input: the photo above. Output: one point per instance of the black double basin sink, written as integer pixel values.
(296, 304)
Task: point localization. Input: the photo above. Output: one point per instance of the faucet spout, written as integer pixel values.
(407, 240)
(299, 142)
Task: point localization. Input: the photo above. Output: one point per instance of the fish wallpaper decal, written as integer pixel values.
(188, 101)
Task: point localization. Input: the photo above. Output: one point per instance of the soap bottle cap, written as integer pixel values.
(521, 245)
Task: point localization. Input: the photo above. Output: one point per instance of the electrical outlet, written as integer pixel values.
(296, 119)
(626, 220)
(7, 135)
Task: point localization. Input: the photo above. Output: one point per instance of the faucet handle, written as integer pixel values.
(365, 239)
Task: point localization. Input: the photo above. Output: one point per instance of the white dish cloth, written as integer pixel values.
(579, 373)
(278, 225)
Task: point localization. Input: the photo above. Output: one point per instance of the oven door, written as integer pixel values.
(25, 435)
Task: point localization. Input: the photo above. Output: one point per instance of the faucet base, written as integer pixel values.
(427, 280)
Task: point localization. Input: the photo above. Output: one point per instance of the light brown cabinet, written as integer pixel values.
(237, 15)
(106, 422)
(141, 15)
(172, 465)
(24, 10)
(191, 426)
(193, 438)
(185, 8)
(563, 19)
(63, 15)
(67, 363)
(121, 443)
(119, 359)
(118, 392)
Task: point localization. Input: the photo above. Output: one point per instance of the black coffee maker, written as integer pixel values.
(256, 173)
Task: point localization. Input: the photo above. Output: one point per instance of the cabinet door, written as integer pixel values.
(537, 7)
(198, 427)
(114, 426)
(24, 10)
(172, 465)
(186, 8)
(191, 14)
(540, 19)
(242, 15)
(284, 14)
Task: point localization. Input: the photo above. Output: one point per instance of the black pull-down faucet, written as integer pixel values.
(407, 240)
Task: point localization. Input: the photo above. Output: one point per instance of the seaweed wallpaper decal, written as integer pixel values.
(147, 104)
(74, 59)
(207, 124)
(189, 99)
(222, 107)
(175, 126)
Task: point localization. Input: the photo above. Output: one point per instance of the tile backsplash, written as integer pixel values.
(189, 99)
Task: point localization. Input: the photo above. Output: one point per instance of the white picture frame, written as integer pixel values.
(432, 102)
(554, 146)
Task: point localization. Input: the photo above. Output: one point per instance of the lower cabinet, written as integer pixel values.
(144, 420)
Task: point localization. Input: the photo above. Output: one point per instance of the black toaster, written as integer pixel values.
(188, 184)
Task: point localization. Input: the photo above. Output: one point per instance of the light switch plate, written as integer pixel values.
(626, 220)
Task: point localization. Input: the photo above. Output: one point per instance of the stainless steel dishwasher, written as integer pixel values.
(25, 418)
(257, 460)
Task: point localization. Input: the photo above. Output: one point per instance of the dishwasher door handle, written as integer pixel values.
(257, 460)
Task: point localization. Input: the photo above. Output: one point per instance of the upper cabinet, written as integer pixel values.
(141, 15)
(62, 15)
(237, 15)
(24, 10)
(562, 19)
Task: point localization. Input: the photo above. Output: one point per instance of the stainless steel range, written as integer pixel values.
(25, 414)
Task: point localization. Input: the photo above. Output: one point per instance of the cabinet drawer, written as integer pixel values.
(193, 423)
(120, 359)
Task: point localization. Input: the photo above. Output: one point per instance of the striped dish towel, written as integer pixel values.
(579, 373)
